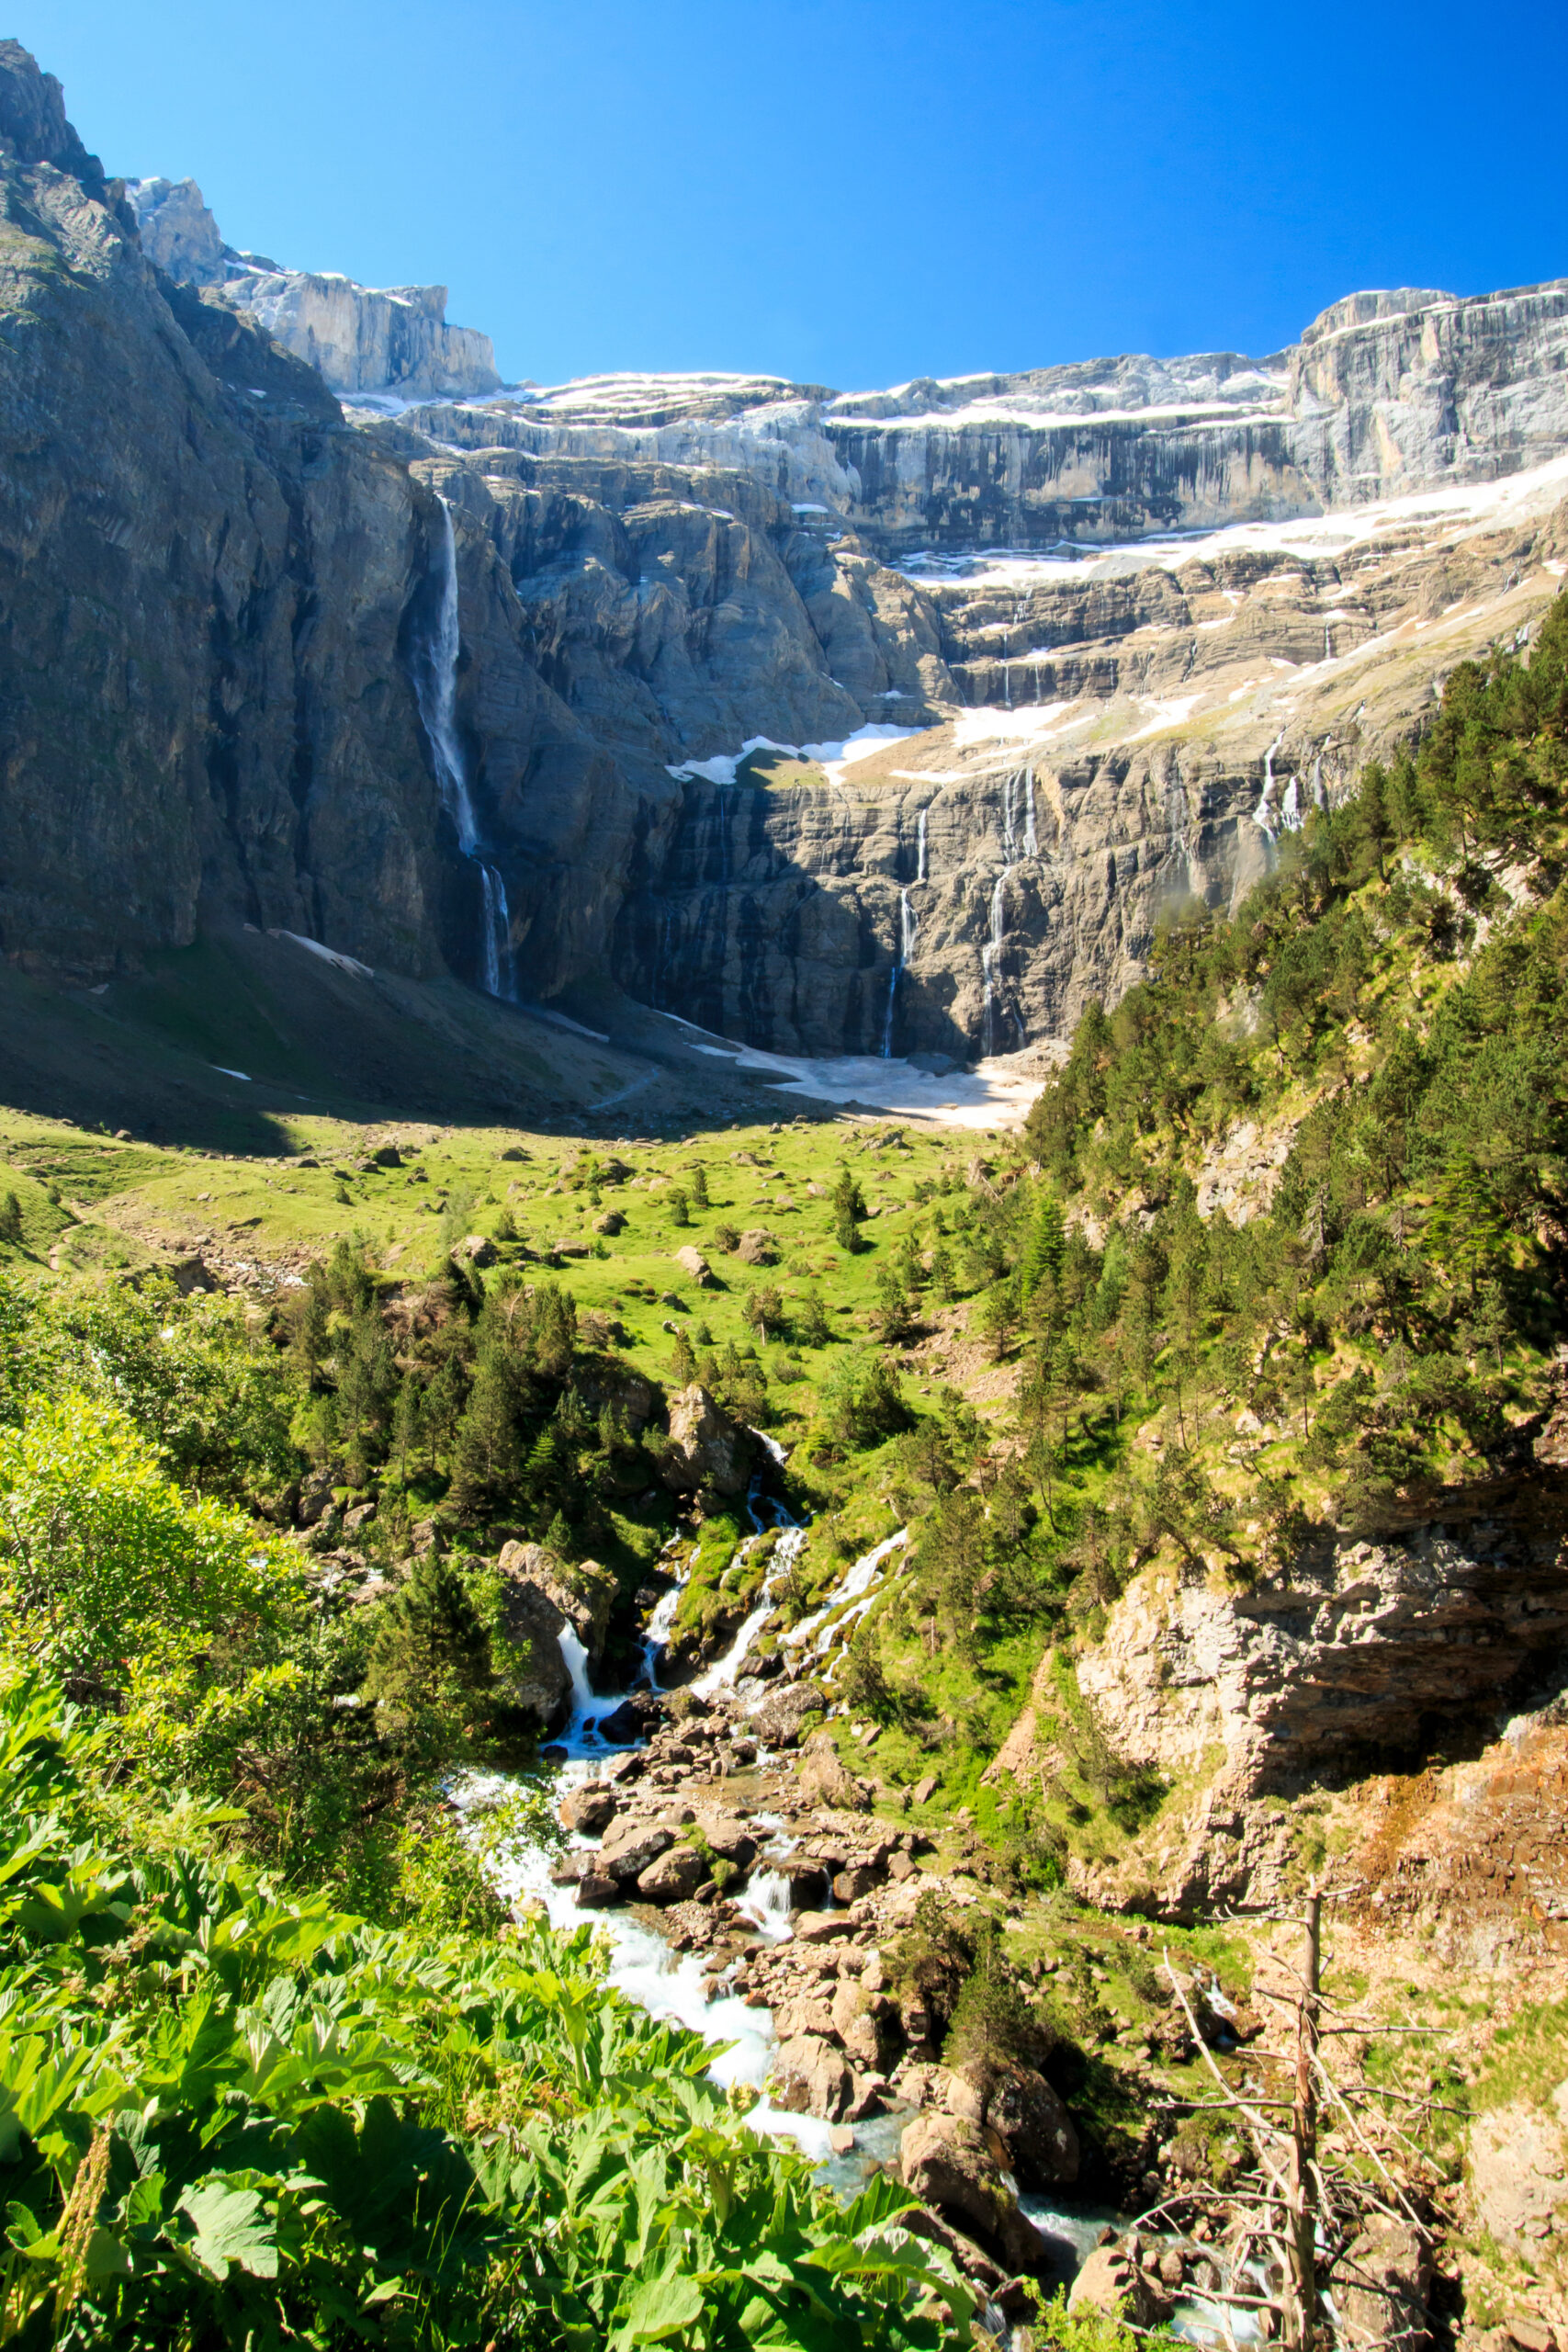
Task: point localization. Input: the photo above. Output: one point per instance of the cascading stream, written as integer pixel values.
(435, 692)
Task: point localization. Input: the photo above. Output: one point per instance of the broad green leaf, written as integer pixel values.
(661, 2307)
(230, 2228)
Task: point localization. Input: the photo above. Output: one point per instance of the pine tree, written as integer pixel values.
(1047, 1246)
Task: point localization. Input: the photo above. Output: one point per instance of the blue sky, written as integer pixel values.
(852, 193)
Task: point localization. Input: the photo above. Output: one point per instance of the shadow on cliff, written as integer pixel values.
(222, 1045)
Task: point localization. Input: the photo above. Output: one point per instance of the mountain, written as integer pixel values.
(698, 687)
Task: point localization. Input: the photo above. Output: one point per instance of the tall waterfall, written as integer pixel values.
(908, 927)
(435, 691)
(920, 849)
(989, 953)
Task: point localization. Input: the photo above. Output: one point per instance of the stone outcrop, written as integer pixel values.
(581, 1593)
(949, 2162)
(1350, 1651)
(1019, 2104)
(705, 1447)
(1381, 2283)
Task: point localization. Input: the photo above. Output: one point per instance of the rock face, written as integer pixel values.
(1386, 392)
(581, 1593)
(1519, 2172)
(1350, 1651)
(360, 339)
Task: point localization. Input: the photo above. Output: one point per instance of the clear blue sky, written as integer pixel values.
(851, 192)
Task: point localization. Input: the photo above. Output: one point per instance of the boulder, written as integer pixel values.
(823, 1779)
(695, 1266)
(946, 2162)
(675, 1876)
(729, 1842)
(1020, 2107)
(859, 1878)
(807, 2013)
(1382, 2284)
(757, 1248)
(1111, 2282)
(811, 2078)
(633, 1719)
(784, 1714)
(474, 1249)
(588, 1810)
(596, 1890)
(627, 1852)
(706, 1448)
(609, 1222)
(822, 1927)
(807, 1880)
(859, 2026)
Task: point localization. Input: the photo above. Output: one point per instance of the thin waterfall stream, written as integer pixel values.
(435, 692)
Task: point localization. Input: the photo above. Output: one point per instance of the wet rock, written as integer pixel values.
(946, 2162)
(597, 1889)
(581, 1593)
(675, 1876)
(706, 1448)
(621, 1770)
(631, 1720)
(630, 1851)
(589, 1810)
(811, 2078)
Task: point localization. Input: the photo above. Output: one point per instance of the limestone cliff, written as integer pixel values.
(363, 340)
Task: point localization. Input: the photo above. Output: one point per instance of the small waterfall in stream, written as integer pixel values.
(435, 692)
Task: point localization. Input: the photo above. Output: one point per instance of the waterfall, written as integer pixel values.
(575, 1659)
(907, 929)
(1010, 846)
(855, 1581)
(920, 849)
(989, 953)
(766, 1904)
(435, 692)
(1030, 839)
(1006, 682)
(1263, 815)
